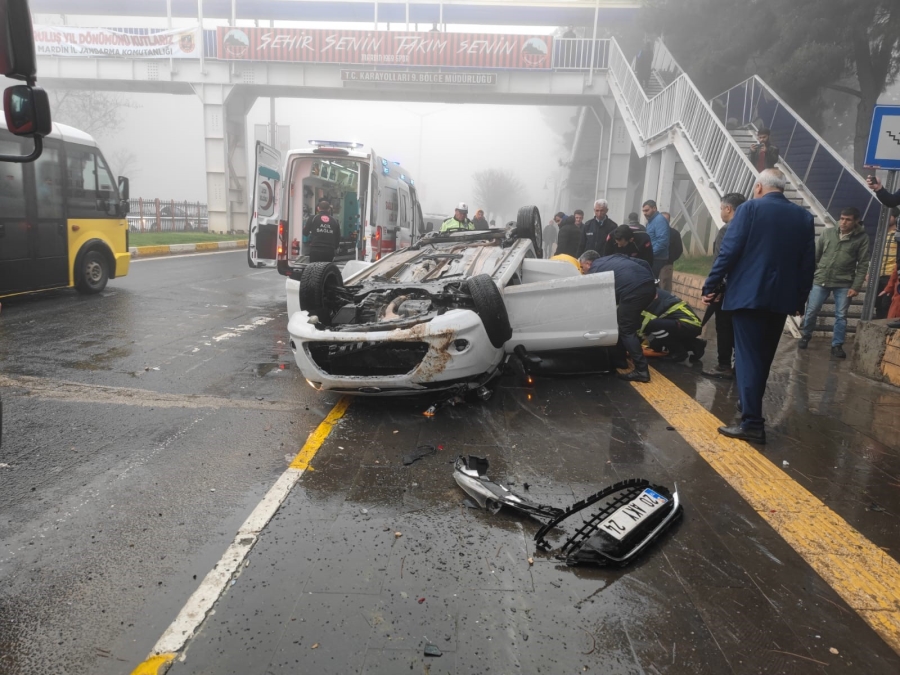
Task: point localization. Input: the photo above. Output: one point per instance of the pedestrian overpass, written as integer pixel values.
(665, 141)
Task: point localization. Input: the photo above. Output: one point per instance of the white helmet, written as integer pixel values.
(462, 206)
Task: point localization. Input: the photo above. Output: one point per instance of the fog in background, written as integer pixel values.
(163, 139)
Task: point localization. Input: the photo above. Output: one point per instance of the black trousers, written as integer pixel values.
(756, 336)
(628, 315)
(658, 264)
(724, 336)
(321, 254)
(882, 302)
(679, 337)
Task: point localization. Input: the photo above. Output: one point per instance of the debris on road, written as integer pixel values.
(833, 650)
(398, 534)
(420, 452)
(432, 650)
(470, 473)
(627, 517)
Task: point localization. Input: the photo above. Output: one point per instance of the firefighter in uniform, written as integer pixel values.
(324, 234)
(670, 325)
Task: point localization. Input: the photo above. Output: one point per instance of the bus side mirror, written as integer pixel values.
(124, 189)
(17, 59)
(27, 111)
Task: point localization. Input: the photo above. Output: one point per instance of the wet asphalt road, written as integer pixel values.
(127, 483)
(108, 517)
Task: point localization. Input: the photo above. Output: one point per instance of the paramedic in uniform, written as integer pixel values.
(324, 234)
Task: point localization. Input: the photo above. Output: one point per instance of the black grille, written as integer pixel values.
(367, 358)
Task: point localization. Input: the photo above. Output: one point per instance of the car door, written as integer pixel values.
(262, 248)
(565, 313)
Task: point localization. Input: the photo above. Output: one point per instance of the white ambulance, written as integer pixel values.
(373, 199)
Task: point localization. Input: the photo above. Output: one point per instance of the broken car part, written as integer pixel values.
(622, 521)
(420, 452)
(470, 473)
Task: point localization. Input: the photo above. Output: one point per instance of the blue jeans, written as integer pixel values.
(817, 298)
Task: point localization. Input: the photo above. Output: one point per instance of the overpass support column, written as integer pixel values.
(225, 110)
(618, 168)
(659, 178)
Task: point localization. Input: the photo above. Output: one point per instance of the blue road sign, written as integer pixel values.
(883, 151)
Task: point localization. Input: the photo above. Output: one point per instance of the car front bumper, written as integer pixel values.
(455, 345)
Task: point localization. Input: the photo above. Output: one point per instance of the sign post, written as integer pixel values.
(882, 152)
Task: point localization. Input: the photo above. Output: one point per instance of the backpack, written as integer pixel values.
(676, 246)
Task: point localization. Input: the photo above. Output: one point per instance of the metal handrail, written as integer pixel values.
(664, 64)
(680, 104)
(579, 54)
(826, 175)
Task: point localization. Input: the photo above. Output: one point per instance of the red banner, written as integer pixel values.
(359, 47)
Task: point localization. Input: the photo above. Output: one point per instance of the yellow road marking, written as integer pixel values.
(866, 577)
(201, 602)
(208, 246)
(316, 438)
(153, 664)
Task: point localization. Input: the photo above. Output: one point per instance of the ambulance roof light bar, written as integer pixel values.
(349, 145)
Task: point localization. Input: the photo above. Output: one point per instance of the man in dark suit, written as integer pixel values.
(768, 257)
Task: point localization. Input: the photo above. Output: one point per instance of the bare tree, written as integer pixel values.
(98, 113)
(497, 191)
(123, 162)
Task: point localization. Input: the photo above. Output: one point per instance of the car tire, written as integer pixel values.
(491, 308)
(318, 280)
(92, 273)
(528, 226)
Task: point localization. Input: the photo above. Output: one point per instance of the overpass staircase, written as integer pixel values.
(712, 140)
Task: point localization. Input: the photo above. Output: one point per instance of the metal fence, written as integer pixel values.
(827, 175)
(580, 54)
(681, 104)
(167, 215)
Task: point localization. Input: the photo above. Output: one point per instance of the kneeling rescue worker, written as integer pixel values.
(459, 221)
(670, 325)
(324, 234)
(635, 289)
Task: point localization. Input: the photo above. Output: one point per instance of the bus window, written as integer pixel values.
(92, 191)
(12, 188)
(48, 180)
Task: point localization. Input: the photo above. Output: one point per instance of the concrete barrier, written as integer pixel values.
(876, 352)
(177, 249)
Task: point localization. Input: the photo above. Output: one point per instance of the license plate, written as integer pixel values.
(628, 517)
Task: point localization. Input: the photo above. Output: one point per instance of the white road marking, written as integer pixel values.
(186, 255)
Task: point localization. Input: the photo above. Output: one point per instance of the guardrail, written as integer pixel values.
(156, 215)
(826, 175)
(664, 64)
(681, 104)
(580, 54)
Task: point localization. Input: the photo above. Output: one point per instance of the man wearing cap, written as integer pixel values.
(324, 234)
(460, 219)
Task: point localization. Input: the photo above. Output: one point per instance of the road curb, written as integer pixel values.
(180, 249)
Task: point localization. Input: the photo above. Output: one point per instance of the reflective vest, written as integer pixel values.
(689, 317)
(453, 224)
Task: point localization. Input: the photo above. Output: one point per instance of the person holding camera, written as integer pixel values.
(763, 155)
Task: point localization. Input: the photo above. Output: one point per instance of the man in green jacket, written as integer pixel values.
(842, 261)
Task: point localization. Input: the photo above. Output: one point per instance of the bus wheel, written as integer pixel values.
(94, 273)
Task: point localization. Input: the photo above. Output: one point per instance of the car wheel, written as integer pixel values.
(490, 307)
(528, 226)
(93, 273)
(318, 282)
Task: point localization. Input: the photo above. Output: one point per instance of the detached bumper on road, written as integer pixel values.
(450, 349)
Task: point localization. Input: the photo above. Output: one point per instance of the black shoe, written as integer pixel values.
(739, 432)
(636, 375)
(720, 372)
(804, 343)
(698, 350)
(676, 357)
(838, 352)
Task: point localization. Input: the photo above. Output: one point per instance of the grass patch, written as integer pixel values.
(700, 265)
(168, 238)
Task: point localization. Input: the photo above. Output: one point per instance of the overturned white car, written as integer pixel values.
(447, 312)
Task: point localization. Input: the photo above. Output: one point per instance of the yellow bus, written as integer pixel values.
(62, 216)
